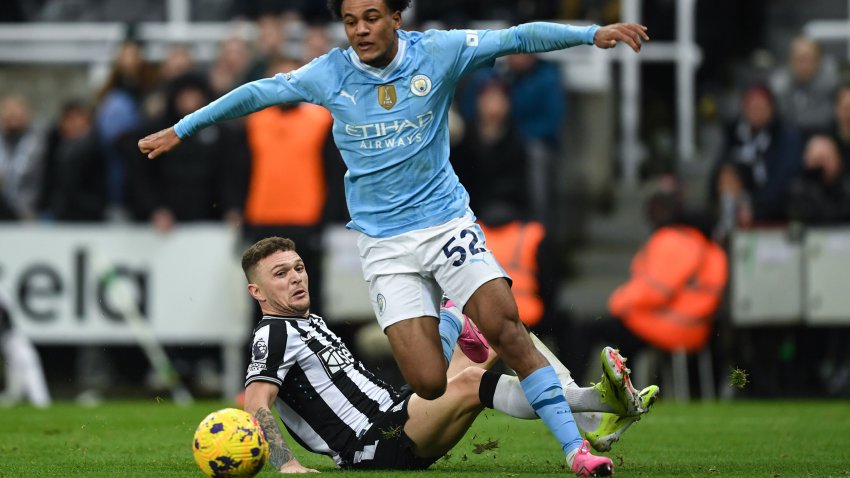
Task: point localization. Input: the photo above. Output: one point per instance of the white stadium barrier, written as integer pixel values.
(65, 284)
(73, 285)
(827, 262)
(345, 292)
(782, 279)
(766, 278)
(187, 284)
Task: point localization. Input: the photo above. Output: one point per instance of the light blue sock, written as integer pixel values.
(543, 391)
(450, 328)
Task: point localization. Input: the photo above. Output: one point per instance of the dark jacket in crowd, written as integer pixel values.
(814, 202)
(75, 182)
(766, 162)
(494, 172)
(199, 181)
(843, 149)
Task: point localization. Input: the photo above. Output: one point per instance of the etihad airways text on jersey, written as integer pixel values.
(402, 132)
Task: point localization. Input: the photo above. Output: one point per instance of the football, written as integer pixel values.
(230, 443)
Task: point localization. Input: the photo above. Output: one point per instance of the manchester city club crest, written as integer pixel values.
(387, 96)
(420, 85)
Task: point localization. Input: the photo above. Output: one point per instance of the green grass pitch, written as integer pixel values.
(772, 439)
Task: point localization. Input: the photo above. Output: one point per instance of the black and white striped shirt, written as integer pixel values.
(327, 400)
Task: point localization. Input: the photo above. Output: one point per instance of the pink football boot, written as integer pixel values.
(585, 464)
(471, 342)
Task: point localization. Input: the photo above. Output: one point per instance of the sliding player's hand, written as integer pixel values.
(631, 34)
(292, 466)
(160, 142)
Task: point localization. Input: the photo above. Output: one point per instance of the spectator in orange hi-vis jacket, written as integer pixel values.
(518, 244)
(677, 282)
(677, 279)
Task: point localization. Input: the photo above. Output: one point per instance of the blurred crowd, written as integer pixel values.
(786, 157)
(84, 166)
(783, 158)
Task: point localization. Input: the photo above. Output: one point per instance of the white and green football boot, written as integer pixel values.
(612, 426)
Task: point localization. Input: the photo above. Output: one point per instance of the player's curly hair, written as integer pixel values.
(335, 6)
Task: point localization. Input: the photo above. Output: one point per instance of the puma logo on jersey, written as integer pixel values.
(348, 95)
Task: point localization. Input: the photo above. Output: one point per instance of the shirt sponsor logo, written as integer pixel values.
(335, 359)
(420, 85)
(471, 38)
(256, 367)
(387, 96)
(391, 134)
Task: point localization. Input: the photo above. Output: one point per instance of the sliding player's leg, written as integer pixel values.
(614, 393)
(603, 429)
(505, 394)
(596, 419)
(435, 426)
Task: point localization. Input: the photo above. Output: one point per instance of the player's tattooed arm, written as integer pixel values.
(279, 452)
(259, 399)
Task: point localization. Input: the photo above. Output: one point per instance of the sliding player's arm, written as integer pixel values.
(259, 399)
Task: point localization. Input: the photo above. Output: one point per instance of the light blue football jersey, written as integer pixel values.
(391, 124)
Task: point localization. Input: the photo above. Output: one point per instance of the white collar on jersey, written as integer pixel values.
(380, 73)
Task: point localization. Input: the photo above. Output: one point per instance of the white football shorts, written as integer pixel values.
(408, 273)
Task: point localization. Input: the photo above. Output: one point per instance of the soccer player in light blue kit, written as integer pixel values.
(389, 94)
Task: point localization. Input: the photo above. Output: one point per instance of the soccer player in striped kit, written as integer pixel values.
(335, 406)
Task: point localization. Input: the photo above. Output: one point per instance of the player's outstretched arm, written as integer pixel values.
(259, 397)
(631, 34)
(160, 142)
(243, 100)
